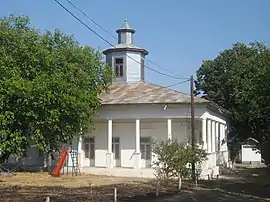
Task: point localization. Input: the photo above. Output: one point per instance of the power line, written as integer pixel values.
(98, 35)
(178, 83)
(92, 20)
(105, 30)
(156, 64)
(169, 86)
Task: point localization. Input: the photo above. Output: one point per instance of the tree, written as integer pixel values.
(173, 159)
(49, 87)
(238, 79)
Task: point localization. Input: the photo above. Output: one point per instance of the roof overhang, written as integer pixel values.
(214, 107)
(125, 30)
(138, 50)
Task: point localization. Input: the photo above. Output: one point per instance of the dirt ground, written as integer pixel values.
(37, 186)
(247, 184)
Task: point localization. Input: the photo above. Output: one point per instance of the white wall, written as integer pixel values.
(250, 154)
(110, 59)
(133, 67)
(132, 111)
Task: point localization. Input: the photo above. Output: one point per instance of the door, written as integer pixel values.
(89, 147)
(146, 151)
(116, 151)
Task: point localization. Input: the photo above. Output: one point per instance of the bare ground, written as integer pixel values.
(248, 184)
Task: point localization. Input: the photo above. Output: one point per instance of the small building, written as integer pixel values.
(249, 153)
(135, 112)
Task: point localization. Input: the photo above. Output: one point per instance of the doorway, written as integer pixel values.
(116, 151)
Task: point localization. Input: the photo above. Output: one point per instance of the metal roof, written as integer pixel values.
(125, 27)
(143, 93)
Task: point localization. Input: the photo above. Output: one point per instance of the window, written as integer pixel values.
(119, 67)
(145, 147)
(116, 147)
(89, 147)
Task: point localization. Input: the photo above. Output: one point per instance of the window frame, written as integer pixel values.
(114, 143)
(119, 67)
(90, 141)
(146, 145)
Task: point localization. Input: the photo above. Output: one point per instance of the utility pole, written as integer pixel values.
(192, 122)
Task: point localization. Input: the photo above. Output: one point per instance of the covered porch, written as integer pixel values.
(126, 143)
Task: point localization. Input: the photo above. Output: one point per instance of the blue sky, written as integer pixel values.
(179, 34)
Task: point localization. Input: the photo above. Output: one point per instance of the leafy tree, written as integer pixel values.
(238, 79)
(49, 87)
(173, 159)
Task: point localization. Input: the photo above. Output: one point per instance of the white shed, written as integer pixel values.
(249, 152)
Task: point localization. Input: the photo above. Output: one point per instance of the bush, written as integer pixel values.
(174, 160)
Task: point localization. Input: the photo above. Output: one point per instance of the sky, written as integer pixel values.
(178, 34)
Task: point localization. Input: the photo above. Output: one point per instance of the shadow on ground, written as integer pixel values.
(247, 185)
(97, 194)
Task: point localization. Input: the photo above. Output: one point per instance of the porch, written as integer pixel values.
(125, 143)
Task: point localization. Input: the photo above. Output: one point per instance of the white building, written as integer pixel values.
(134, 112)
(249, 153)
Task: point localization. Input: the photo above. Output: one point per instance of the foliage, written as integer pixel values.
(173, 159)
(49, 87)
(238, 79)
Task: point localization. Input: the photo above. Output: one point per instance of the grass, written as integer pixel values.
(68, 181)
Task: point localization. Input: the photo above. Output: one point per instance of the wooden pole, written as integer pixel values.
(115, 194)
(192, 122)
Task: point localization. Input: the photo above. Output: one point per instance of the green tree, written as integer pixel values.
(238, 79)
(50, 87)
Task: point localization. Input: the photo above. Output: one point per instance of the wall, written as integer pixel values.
(110, 58)
(133, 67)
(133, 111)
(250, 154)
(33, 159)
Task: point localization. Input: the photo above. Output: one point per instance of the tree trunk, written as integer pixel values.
(4, 157)
(180, 182)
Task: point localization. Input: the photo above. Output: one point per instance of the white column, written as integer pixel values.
(209, 132)
(169, 126)
(137, 154)
(225, 137)
(217, 136)
(204, 132)
(213, 136)
(110, 136)
(80, 152)
(137, 147)
(109, 161)
(223, 140)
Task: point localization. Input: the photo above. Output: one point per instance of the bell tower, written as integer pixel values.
(126, 60)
